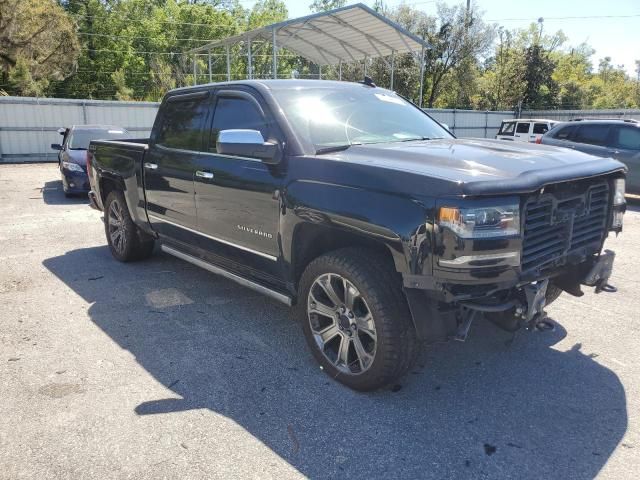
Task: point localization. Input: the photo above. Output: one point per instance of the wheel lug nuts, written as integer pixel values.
(350, 314)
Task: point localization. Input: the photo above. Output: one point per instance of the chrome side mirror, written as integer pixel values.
(247, 143)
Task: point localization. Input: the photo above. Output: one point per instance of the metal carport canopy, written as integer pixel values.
(346, 34)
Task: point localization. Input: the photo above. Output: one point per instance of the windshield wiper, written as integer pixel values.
(335, 148)
(415, 139)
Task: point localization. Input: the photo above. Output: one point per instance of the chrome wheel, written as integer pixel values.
(342, 324)
(116, 227)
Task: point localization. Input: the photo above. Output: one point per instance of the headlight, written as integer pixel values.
(618, 191)
(73, 167)
(482, 222)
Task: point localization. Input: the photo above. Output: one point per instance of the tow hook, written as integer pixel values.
(468, 316)
(599, 275)
(535, 315)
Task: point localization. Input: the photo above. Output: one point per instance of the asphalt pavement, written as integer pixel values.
(159, 369)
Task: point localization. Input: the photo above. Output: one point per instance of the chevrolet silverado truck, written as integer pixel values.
(349, 203)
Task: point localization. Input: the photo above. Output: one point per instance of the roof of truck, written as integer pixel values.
(280, 84)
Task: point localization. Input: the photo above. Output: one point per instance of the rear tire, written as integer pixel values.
(126, 241)
(356, 319)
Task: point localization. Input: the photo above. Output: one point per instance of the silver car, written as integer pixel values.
(619, 139)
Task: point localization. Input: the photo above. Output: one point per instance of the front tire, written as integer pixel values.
(356, 319)
(126, 241)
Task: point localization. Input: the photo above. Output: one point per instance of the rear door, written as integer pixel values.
(626, 148)
(539, 129)
(170, 164)
(238, 198)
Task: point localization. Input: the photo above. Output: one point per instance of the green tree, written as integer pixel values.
(37, 44)
(326, 5)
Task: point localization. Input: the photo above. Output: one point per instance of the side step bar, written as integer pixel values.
(281, 297)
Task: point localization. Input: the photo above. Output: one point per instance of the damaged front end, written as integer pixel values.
(506, 258)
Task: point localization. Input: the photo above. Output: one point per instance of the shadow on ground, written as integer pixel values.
(53, 194)
(486, 408)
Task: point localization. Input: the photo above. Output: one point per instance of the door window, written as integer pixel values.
(595, 134)
(236, 112)
(507, 128)
(540, 128)
(523, 128)
(182, 122)
(628, 138)
(564, 133)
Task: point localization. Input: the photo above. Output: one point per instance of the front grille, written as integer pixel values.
(568, 222)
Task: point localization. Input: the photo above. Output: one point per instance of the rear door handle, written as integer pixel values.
(151, 166)
(202, 174)
(613, 152)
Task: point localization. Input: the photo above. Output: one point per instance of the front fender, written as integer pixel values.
(399, 222)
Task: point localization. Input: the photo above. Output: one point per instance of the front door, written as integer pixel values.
(238, 198)
(170, 164)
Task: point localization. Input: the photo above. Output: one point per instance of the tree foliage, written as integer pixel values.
(38, 44)
(136, 49)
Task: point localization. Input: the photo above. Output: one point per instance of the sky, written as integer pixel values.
(618, 38)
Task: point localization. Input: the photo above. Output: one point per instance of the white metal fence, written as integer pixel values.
(564, 115)
(470, 123)
(28, 126)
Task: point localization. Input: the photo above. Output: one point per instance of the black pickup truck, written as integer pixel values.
(356, 207)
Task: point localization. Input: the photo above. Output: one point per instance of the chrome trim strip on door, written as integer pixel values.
(246, 249)
(225, 273)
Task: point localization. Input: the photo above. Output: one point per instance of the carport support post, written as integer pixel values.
(319, 72)
(365, 66)
(228, 63)
(275, 53)
(249, 66)
(340, 70)
(210, 72)
(195, 66)
(421, 76)
(393, 58)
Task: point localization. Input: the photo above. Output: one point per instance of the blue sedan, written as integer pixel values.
(72, 156)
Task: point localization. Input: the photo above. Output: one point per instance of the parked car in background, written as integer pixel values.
(616, 138)
(72, 153)
(529, 130)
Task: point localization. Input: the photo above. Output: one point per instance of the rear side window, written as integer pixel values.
(182, 123)
(236, 112)
(507, 128)
(563, 133)
(540, 128)
(592, 134)
(628, 138)
(522, 128)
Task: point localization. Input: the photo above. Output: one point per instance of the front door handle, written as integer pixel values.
(202, 174)
(151, 166)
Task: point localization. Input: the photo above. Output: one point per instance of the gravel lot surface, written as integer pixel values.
(161, 370)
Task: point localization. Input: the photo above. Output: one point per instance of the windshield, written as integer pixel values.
(335, 117)
(79, 139)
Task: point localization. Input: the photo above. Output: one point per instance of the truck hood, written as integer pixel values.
(481, 166)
